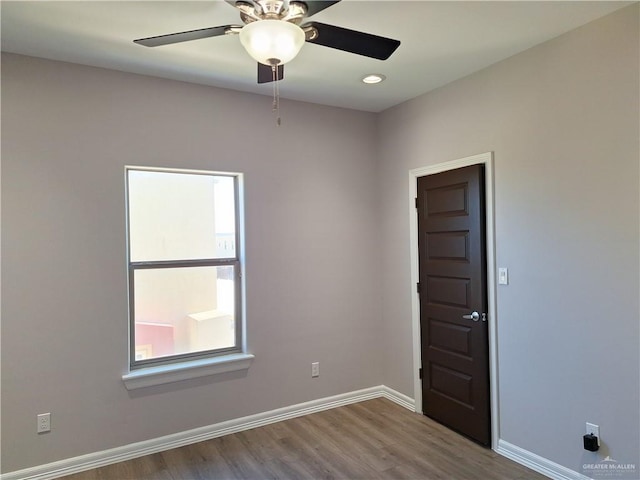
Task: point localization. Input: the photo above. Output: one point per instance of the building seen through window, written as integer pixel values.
(184, 269)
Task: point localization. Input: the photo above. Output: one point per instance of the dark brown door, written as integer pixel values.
(452, 255)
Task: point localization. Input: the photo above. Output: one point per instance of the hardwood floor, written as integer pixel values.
(376, 439)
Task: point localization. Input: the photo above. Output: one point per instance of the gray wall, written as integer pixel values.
(562, 119)
(327, 247)
(312, 293)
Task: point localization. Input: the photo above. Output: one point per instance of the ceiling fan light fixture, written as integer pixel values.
(373, 78)
(272, 42)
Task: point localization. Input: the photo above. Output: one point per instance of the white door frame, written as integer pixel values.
(487, 160)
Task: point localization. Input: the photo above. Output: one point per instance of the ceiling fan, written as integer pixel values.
(273, 34)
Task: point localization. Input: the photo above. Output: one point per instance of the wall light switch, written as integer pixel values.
(503, 276)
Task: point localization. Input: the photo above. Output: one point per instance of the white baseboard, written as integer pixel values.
(147, 447)
(399, 398)
(537, 463)
(128, 452)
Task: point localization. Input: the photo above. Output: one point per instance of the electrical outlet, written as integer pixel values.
(44, 423)
(315, 369)
(593, 429)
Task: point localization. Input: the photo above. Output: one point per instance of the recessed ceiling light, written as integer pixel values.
(374, 78)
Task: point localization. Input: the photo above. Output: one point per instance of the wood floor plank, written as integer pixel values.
(361, 452)
(150, 467)
(200, 461)
(371, 440)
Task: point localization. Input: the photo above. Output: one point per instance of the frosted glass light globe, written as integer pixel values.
(272, 42)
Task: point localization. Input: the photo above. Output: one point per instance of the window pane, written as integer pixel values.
(180, 216)
(183, 310)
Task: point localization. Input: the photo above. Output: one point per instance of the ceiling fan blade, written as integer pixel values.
(352, 41)
(265, 74)
(314, 7)
(182, 36)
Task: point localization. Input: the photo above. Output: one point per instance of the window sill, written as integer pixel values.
(148, 377)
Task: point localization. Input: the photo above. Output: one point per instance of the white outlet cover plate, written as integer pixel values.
(594, 429)
(44, 422)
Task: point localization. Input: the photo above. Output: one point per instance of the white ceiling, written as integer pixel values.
(441, 42)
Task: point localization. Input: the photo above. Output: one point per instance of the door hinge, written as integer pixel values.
(418, 287)
(420, 373)
(416, 202)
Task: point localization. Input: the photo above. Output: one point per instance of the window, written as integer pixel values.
(185, 288)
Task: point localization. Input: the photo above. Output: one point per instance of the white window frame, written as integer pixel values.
(144, 373)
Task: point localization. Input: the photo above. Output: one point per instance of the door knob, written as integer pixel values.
(475, 316)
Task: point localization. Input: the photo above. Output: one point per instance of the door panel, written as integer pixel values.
(447, 337)
(446, 291)
(448, 246)
(455, 355)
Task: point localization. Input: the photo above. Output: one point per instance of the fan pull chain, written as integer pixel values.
(276, 94)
